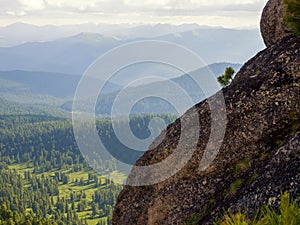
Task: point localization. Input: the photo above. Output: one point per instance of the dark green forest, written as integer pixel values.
(45, 180)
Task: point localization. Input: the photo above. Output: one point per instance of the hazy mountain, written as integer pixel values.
(74, 54)
(20, 33)
(68, 55)
(219, 44)
(185, 86)
(152, 31)
(42, 87)
(15, 108)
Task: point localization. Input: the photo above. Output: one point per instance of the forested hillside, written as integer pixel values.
(45, 180)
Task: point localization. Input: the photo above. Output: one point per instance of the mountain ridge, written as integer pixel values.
(75, 56)
(154, 105)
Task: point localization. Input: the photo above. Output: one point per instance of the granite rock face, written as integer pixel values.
(263, 113)
(259, 155)
(281, 172)
(272, 25)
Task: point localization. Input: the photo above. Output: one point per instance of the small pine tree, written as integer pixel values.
(226, 78)
(292, 15)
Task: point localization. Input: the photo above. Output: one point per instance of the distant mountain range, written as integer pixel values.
(22, 90)
(63, 53)
(186, 87)
(42, 87)
(31, 33)
(74, 54)
(14, 108)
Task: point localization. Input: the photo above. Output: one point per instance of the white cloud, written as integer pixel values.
(228, 12)
(75, 4)
(223, 2)
(189, 4)
(146, 3)
(32, 4)
(16, 13)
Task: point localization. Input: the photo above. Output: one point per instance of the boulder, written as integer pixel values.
(272, 25)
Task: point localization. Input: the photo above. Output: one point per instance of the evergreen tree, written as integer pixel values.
(226, 78)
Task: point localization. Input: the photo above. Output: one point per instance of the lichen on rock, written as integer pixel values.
(263, 105)
(259, 156)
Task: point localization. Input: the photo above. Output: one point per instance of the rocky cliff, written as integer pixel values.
(258, 159)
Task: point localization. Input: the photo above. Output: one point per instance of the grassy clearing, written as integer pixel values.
(118, 177)
(78, 182)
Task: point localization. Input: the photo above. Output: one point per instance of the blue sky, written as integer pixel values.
(226, 13)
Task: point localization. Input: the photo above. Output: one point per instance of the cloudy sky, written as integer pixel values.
(227, 13)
